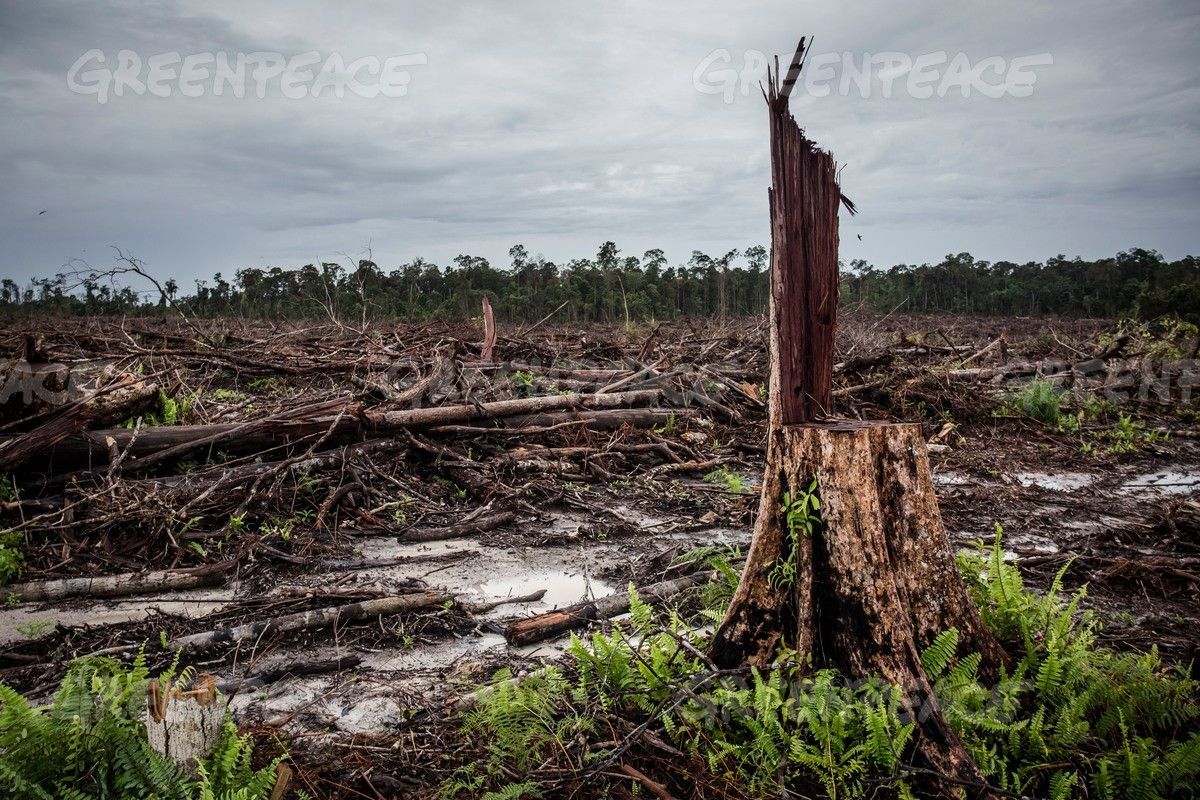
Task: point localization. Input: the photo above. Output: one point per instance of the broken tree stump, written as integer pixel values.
(874, 582)
(866, 579)
(185, 725)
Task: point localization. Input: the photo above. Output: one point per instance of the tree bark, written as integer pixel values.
(122, 585)
(65, 439)
(875, 582)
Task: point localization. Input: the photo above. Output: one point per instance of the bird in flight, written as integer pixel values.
(41, 212)
(859, 236)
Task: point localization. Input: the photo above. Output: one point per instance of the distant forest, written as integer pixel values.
(614, 287)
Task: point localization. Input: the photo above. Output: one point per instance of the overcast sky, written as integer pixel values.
(560, 125)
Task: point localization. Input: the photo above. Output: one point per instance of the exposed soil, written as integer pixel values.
(328, 513)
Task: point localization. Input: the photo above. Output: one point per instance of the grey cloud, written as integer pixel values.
(560, 126)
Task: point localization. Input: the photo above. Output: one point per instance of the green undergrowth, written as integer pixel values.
(733, 481)
(1068, 719)
(1103, 430)
(90, 743)
(12, 556)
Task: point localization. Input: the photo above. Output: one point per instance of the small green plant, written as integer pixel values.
(170, 411)
(732, 481)
(1039, 400)
(800, 515)
(522, 382)
(1096, 407)
(276, 528)
(1127, 435)
(228, 395)
(9, 491)
(308, 484)
(715, 595)
(668, 427)
(34, 628)
(266, 385)
(12, 556)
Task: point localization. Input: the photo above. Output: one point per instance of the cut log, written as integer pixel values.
(480, 525)
(122, 585)
(555, 623)
(107, 406)
(610, 420)
(65, 441)
(875, 581)
(319, 618)
(445, 415)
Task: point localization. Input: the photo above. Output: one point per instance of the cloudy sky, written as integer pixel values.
(559, 125)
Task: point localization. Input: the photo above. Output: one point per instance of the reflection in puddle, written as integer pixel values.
(1169, 482)
(562, 588)
(1060, 482)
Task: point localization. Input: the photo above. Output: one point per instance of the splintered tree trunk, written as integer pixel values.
(875, 581)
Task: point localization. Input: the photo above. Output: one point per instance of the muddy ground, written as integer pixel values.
(323, 514)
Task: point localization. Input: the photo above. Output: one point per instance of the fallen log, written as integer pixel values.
(319, 618)
(357, 564)
(293, 669)
(609, 420)
(480, 525)
(68, 442)
(122, 585)
(554, 623)
(444, 415)
(108, 404)
(491, 605)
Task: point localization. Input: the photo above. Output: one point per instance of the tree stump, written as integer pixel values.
(875, 581)
(185, 726)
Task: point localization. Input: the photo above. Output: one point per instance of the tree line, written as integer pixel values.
(614, 287)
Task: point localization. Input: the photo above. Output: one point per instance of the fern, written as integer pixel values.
(1068, 720)
(937, 657)
(90, 744)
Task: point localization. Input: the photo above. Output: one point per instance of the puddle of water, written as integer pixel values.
(1030, 542)
(1059, 482)
(563, 587)
(950, 479)
(1165, 481)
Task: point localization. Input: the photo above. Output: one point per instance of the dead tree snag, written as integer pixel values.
(873, 581)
